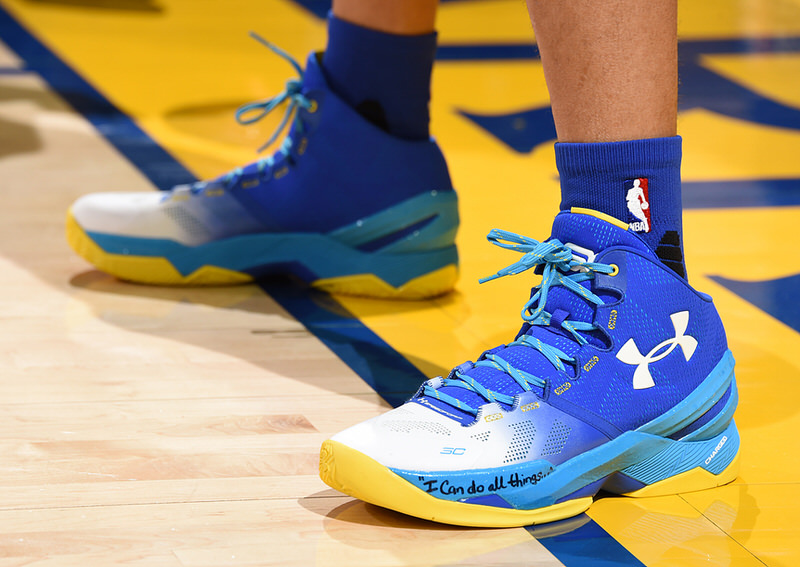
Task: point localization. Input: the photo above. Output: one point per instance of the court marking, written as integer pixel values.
(580, 541)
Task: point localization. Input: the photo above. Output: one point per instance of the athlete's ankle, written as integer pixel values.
(636, 181)
(385, 77)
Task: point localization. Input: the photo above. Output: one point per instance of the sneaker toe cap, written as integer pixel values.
(414, 437)
(139, 215)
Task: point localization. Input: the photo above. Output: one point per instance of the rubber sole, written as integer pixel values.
(159, 270)
(358, 475)
(353, 473)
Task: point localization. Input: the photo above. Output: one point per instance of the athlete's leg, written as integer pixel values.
(611, 67)
(401, 17)
(612, 72)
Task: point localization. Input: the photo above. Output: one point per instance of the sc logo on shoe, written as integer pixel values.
(453, 451)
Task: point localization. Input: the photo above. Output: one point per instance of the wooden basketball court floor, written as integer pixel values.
(143, 425)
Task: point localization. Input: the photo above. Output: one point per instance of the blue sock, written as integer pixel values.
(637, 182)
(385, 77)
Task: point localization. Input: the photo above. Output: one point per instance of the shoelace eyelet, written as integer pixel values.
(301, 147)
(313, 106)
(558, 261)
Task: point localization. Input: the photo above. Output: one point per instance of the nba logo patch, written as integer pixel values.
(638, 204)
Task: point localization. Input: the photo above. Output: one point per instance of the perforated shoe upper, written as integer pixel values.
(624, 342)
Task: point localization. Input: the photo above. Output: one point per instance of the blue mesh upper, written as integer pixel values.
(650, 294)
(339, 168)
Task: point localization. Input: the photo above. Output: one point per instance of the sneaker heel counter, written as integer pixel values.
(717, 326)
(442, 203)
(438, 163)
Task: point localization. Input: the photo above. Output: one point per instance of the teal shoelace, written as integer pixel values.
(560, 268)
(252, 112)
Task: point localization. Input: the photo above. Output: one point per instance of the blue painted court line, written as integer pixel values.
(160, 167)
(746, 193)
(386, 371)
(581, 542)
(778, 297)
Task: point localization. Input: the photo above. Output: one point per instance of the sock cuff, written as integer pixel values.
(422, 43)
(384, 77)
(637, 182)
(620, 159)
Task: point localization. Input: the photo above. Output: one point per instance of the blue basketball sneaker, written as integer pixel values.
(342, 205)
(620, 379)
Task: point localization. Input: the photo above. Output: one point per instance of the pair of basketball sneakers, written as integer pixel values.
(620, 378)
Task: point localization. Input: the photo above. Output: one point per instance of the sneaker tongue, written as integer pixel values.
(587, 235)
(313, 78)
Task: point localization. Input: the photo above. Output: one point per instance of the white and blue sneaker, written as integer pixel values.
(342, 205)
(620, 379)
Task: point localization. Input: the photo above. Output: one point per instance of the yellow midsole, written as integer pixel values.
(356, 474)
(159, 271)
(145, 269)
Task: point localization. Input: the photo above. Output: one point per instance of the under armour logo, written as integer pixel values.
(629, 353)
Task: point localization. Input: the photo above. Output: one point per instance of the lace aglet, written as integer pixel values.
(260, 39)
